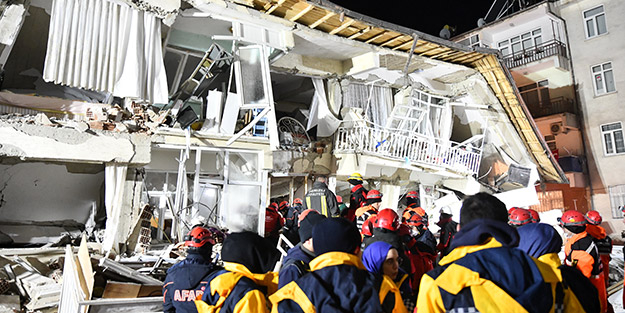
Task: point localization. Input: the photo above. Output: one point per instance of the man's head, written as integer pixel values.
(307, 220)
(374, 198)
(336, 235)
(322, 179)
(482, 205)
(200, 240)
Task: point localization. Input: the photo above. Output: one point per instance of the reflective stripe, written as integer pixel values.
(308, 206)
(324, 206)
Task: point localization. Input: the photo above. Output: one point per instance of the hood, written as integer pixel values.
(479, 231)
(374, 256)
(254, 252)
(539, 239)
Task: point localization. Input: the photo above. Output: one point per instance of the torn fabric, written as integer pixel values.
(114, 180)
(106, 46)
(320, 114)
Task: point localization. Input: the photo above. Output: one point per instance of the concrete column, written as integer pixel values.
(390, 196)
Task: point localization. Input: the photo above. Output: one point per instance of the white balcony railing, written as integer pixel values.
(409, 147)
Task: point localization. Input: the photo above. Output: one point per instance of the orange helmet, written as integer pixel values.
(199, 236)
(367, 226)
(593, 218)
(273, 205)
(519, 217)
(387, 219)
(374, 194)
(572, 218)
(283, 205)
(535, 216)
(297, 201)
(415, 220)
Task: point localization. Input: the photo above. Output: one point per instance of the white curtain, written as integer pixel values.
(375, 101)
(114, 180)
(106, 46)
(320, 114)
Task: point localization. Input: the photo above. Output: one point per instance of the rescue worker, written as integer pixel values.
(187, 279)
(338, 281)
(421, 234)
(374, 200)
(519, 217)
(535, 216)
(412, 199)
(291, 221)
(246, 280)
(381, 259)
(296, 262)
(602, 241)
(571, 291)
(448, 230)
(367, 229)
(321, 199)
(273, 223)
(581, 252)
(422, 255)
(343, 209)
(358, 197)
(283, 208)
(385, 228)
(484, 272)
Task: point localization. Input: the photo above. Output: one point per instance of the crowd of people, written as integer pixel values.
(364, 258)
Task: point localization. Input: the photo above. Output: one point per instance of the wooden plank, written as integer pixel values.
(322, 20)
(121, 290)
(391, 40)
(85, 265)
(301, 13)
(343, 26)
(275, 6)
(376, 37)
(360, 32)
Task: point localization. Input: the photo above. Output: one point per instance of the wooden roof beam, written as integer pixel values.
(360, 32)
(391, 40)
(343, 26)
(273, 7)
(376, 37)
(302, 13)
(322, 20)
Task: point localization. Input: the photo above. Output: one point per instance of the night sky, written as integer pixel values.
(425, 16)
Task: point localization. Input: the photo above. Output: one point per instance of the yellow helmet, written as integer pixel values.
(355, 176)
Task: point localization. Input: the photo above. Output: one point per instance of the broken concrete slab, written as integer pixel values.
(9, 303)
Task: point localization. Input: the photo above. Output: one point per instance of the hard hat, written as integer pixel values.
(445, 210)
(374, 194)
(519, 217)
(511, 209)
(367, 226)
(534, 215)
(412, 194)
(304, 213)
(387, 219)
(283, 205)
(339, 199)
(297, 201)
(572, 218)
(273, 205)
(355, 176)
(408, 213)
(415, 220)
(200, 236)
(593, 218)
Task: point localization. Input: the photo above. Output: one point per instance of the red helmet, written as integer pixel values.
(412, 194)
(387, 219)
(572, 218)
(273, 205)
(593, 218)
(535, 216)
(297, 201)
(512, 209)
(519, 217)
(367, 226)
(415, 220)
(339, 199)
(283, 205)
(199, 236)
(374, 194)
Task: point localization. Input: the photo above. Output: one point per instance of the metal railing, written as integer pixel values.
(544, 50)
(409, 147)
(552, 106)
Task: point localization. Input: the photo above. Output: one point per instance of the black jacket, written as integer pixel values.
(322, 200)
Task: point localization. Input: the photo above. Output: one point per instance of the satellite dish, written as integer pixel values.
(480, 22)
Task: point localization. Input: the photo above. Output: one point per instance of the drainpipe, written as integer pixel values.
(580, 118)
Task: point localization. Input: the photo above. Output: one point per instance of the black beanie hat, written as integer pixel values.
(258, 254)
(335, 235)
(306, 225)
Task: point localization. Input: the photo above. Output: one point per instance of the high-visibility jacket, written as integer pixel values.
(338, 282)
(570, 289)
(185, 281)
(488, 278)
(322, 200)
(581, 252)
(236, 289)
(604, 246)
(363, 213)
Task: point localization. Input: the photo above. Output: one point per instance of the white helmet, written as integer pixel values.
(446, 210)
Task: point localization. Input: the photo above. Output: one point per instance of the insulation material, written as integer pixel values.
(106, 46)
(320, 114)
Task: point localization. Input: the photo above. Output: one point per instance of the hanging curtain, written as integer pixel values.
(320, 114)
(375, 101)
(114, 180)
(106, 46)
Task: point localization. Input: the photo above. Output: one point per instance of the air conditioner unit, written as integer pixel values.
(557, 128)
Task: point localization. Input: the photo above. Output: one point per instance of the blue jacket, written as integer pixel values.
(185, 281)
(338, 282)
(484, 272)
(295, 265)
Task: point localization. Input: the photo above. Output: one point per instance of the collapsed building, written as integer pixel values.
(134, 120)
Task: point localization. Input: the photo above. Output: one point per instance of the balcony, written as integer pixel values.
(533, 54)
(551, 106)
(463, 158)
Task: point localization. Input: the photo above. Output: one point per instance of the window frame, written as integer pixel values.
(602, 73)
(616, 193)
(507, 43)
(178, 79)
(593, 18)
(611, 132)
